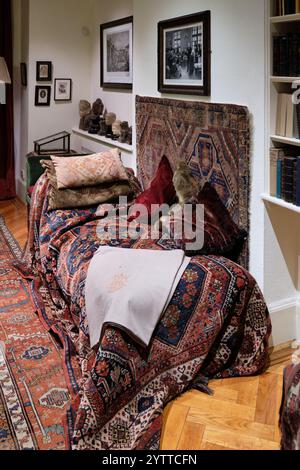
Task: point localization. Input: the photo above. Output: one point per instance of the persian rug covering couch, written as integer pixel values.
(216, 325)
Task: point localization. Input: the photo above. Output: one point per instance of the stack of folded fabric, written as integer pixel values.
(88, 180)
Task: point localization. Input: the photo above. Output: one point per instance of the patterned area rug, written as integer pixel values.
(33, 392)
(213, 139)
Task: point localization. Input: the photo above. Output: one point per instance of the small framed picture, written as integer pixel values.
(23, 67)
(42, 95)
(184, 55)
(63, 89)
(116, 54)
(44, 71)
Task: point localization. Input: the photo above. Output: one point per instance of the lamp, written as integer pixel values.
(4, 73)
(4, 78)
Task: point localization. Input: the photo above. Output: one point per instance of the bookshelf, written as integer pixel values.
(285, 18)
(280, 202)
(280, 84)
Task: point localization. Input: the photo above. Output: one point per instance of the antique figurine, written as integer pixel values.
(98, 107)
(92, 120)
(124, 132)
(102, 130)
(84, 111)
(109, 120)
(94, 124)
(129, 136)
(116, 129)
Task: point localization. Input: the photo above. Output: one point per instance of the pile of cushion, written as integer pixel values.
(88, 180)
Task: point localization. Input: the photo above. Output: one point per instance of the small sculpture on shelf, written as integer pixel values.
(109, 120)
(98, 107)
(124, 132)
(116, 129)
(94, 125)
(89, 113)
(129, 136)
(84, 112)
(94, 118)
(102, 125)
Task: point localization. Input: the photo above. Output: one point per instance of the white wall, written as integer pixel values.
(49, 31)
(238, 67)
(55, 34)
(118, 101)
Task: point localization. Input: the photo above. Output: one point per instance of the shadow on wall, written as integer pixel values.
(286, 226)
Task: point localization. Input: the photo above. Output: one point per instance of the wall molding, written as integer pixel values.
(285, 316)
(21, 189)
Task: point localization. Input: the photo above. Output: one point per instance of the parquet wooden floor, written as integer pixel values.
(15, 213)
(243, 413)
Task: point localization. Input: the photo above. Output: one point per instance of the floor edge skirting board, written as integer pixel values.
(34, 397)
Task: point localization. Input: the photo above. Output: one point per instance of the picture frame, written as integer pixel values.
(116, 46)
(184, 54)
(43, 71)
(23, 69)
(42, 95)
(63, 89)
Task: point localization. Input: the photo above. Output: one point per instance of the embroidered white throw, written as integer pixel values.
(131, 289)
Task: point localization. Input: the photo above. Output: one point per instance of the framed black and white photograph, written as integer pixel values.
(43, 71)
(23, 68)
(42, 95)
(63, 89)
(184, 55)
(116, 53)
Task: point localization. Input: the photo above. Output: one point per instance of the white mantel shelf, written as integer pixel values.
(285, 18)
(103, 140)
(285, 140)
(280, 203)
(276, 79)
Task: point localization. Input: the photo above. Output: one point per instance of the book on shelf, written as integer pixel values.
(287, 117)
(286, 7)
(286, 55)
(297, 106)
(298, 182)
(276, 156)
(288, 183)
(285, 175)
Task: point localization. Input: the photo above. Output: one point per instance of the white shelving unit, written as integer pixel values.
(280, 202)
(102, 140)
(285, 19)
(82, 141)
(285, 140)
(283, 79)
(277, 84)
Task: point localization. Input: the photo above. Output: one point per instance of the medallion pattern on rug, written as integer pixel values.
(33, 393)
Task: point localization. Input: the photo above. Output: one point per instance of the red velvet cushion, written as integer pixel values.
(30, 190)
(161, 191)
(221, 235)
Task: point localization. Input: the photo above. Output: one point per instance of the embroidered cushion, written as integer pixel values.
(161, 191)
(87, 196)
(76, 172)
(221, 235)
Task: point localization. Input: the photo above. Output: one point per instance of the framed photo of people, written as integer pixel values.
(116, 54)
(184, 55)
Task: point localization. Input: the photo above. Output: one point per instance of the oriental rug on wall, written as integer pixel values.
(33, 393)
(214, 139)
